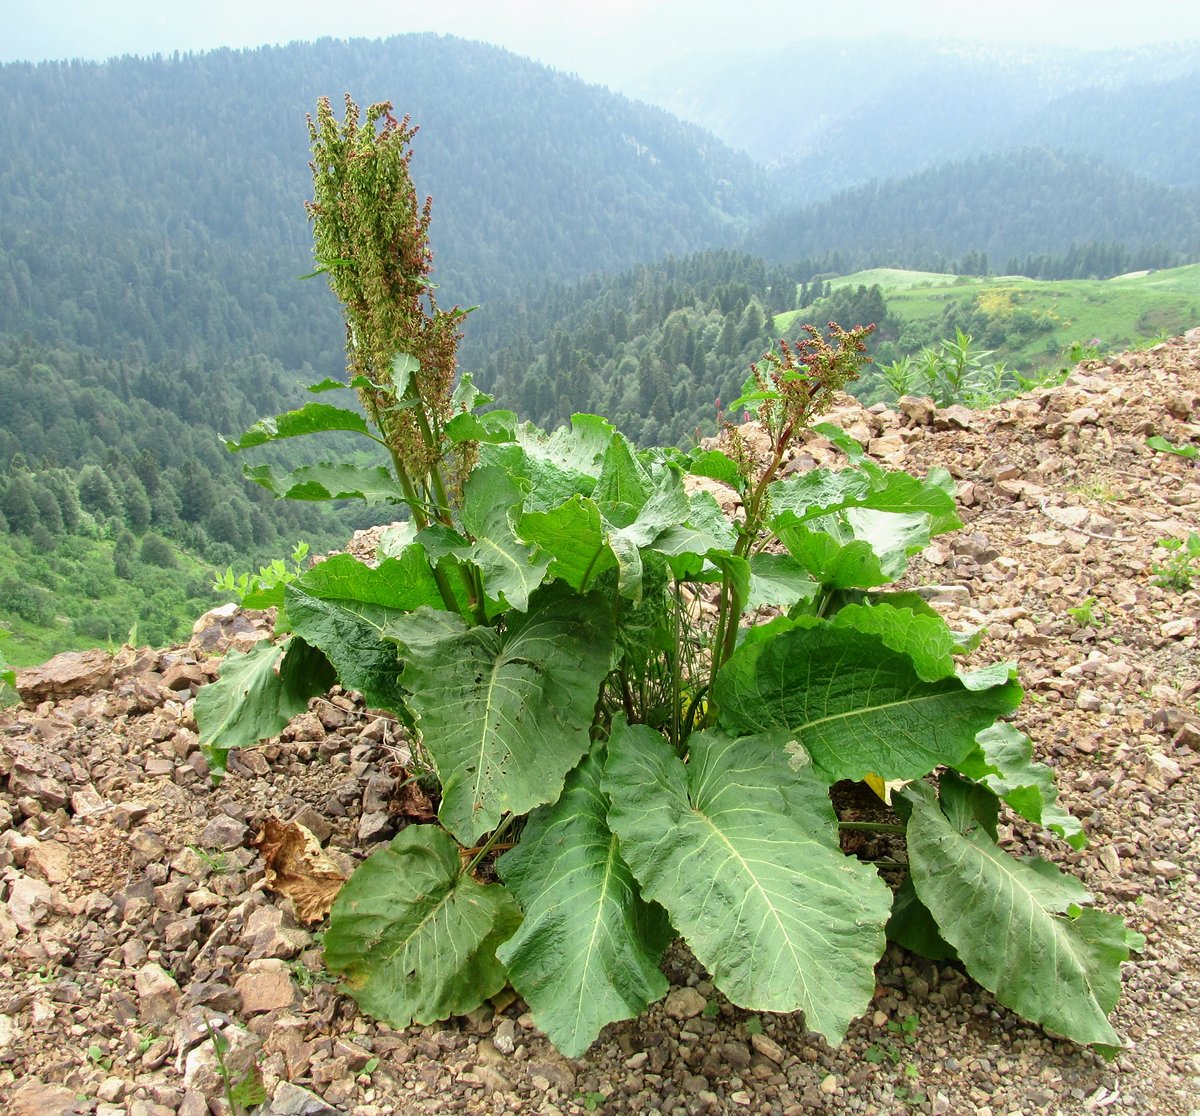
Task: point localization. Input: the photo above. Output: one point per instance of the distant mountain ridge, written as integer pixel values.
(1006, 205)
(832, 114)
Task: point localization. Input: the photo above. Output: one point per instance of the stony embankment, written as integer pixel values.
(135, 920)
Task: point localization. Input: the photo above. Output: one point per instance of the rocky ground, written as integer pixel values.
(137, 935)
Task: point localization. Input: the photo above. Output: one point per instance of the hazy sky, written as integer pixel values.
(606, 42)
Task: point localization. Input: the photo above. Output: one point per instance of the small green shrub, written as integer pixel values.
(1182, 565)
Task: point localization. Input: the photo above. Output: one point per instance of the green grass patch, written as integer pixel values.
(71, 598)
(1118, 313)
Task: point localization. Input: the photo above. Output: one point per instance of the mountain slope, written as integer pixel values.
(1007, 205)
(173, 216)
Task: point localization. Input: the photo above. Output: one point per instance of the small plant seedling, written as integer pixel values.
(1086, 614)
(1158, 442)
(592, 1101)
(265, 588)
(98, 1057)
(216, 860)
(244, 1091)
(1182, 566)
(754, 1025)
(711, 1010)
(905, 1028)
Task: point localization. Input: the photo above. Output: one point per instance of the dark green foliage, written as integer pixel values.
(1029, 202)
(656, 348)
(155, 551)
(30, 602)
(184, 238)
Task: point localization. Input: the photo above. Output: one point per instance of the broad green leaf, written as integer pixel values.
(833, 561)
(412, 937)
(312, 418)
(467, 397)
(573, 535)
(717, 466)
(493, 426)
(823, 491)
(778, 580)
(329, 482)
(1003, 762)
(925, 638)
(257, 692)
(687, 545)
(551, 468)
(343, 607)
(1158, 442)
(913, 927)
(963, 642)
(851, 447)
(404, 367)
(664, 505)
(440, 541)
(854, 704)
(327, 384)
(623, 486)
(894, 536)
(1018, 927)
(588, 952)
(580, 448)
(743, 854)
(511, 568)
(506, 714)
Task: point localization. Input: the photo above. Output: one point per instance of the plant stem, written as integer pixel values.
(497, 833)
(872, 827)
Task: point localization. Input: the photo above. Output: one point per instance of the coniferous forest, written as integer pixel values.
(153, 241)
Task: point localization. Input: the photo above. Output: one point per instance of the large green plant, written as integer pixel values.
(648, 699)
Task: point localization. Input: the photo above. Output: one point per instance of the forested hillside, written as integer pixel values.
(153, 236)
(1029, 202)
(152, 240)
(158, 202)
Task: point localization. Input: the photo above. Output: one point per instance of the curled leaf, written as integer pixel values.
(297, 867)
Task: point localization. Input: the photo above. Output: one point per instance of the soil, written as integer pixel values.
(137, 930)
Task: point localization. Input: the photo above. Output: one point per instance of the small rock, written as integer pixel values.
(223, 832)
(376, 826)
(1166, 869)
(1177, 629)
(268, 986)
(46, 791)
(684, 1003)
(1161, 771)
(51, 860)
(735, 1054)
(72, 672)
(29, 902)
(158, 994)
(34, 1098)
(1089, 701)
(505, 1038)
(492, 1080)
(88, 802)
(829, 1084)
(149, 1108)
(768, 1048)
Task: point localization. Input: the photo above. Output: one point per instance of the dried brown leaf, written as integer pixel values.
(297, 868)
